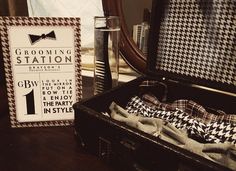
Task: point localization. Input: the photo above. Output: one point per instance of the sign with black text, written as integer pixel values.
(42, 66)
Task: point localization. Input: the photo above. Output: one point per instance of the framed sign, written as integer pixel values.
(42, 68)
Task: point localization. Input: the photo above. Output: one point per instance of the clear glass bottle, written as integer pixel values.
(106, 53)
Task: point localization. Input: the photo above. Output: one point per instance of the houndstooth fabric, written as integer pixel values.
(213, 132)
(224, 131)
(198, 39)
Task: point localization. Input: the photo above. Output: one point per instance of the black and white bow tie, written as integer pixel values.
(36, 38)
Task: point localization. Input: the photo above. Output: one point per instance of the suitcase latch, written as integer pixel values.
(129, 144)
(104, 149)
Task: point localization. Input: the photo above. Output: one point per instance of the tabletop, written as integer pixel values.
(50, 148)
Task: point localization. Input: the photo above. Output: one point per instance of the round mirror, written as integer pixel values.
(133, 15)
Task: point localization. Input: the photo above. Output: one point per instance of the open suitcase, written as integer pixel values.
(192, 51)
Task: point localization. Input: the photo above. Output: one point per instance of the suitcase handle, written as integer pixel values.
(131, 145)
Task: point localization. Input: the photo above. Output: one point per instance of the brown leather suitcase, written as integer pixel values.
(192, 51)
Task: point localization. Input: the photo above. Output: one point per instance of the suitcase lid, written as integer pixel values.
(193, 41)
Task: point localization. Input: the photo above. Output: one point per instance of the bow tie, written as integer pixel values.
(36, 38)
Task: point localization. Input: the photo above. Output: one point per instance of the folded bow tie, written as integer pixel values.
(222, 153)
(36, 38)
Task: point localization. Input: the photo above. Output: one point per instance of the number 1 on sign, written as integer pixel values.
(30, 103)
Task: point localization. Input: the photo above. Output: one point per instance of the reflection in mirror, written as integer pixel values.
(137, 17)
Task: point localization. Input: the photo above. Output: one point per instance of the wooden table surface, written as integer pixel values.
(43, 149)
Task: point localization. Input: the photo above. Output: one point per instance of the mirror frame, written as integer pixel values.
(128, 48)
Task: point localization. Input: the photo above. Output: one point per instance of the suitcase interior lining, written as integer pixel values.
(194, 41)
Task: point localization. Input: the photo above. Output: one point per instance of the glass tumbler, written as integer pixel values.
(106, 52)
